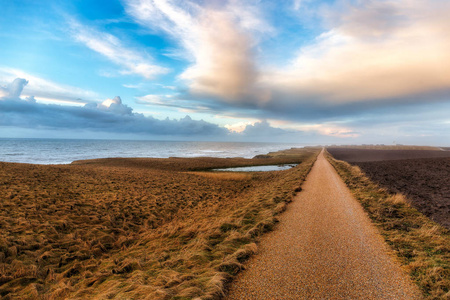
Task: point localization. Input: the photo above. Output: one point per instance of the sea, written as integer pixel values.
(65, 151)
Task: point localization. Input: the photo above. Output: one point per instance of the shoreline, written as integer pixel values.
(67, 151)
(103, 227)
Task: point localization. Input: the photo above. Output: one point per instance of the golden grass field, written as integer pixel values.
(136, 228)
(420, 245)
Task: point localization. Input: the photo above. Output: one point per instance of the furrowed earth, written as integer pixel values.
(421, 175)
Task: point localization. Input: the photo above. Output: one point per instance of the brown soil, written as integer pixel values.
(363, 155)
(133, 228)
(421, 245)
(425, 182)
(323, 248)
(421, 175)
(386, 147)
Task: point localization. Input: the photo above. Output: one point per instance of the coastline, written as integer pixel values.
(56, 151)
(136, 227)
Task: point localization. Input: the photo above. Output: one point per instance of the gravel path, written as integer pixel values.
(323, 248)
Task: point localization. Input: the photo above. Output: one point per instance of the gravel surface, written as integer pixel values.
(323, 248)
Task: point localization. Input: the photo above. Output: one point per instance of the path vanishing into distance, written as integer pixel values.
(323, 248)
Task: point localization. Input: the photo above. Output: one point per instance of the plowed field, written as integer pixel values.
(426, 182)
(421, 175)
(362, 155)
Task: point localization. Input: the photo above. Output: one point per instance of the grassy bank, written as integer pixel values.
(421, 246)
(136, 228)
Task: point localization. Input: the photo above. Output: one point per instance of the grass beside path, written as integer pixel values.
(136, 228)
(421, 246)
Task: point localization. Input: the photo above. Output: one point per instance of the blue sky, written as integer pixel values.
(343, 71)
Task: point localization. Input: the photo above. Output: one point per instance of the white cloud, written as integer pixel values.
(151, 99)
(172, 101)
(131, 61)
(47, 90)
(14, 89)
(109, 116)
(169, 87)
(264, 131)
(114, 105)
(239, 126)
(332, 130)
(132, 86)
(224, 62)
(297, 4)
(219, 39)
(374, 51)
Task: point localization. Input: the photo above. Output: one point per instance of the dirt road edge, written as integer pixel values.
(421, 245)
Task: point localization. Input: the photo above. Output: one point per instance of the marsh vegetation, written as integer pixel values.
(136, 228)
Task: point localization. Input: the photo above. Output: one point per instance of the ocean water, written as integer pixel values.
(257, 168)
(65, 151)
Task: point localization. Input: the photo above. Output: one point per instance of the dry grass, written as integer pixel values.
(422, 246)
(135, 228)
(397, 199)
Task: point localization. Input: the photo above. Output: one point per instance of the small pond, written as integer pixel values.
(257, 168)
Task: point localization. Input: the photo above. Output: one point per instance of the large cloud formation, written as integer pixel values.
(370, 54)
(375, 52)
(109, 116)
(364, 68)
(218, 39)
(113, 116)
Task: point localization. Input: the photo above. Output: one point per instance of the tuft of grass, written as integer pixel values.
(421, 246)
(397, 199)
(136, 228)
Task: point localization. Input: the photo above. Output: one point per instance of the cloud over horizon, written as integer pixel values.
(370, 55)
(109, 116)
(374, 52)
(14, 89)
(113, 116)
(46, 89)
(338, 70)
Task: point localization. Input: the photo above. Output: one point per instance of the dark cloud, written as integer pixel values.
(109, 116)
(263, 132)
(371, 55)
(114, 105)
(113, 117)
(263, 129)
(307, 108)
(370, 123)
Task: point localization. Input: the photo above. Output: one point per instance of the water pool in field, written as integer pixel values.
(257, 168)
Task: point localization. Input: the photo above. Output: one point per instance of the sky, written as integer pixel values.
(300, 71)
